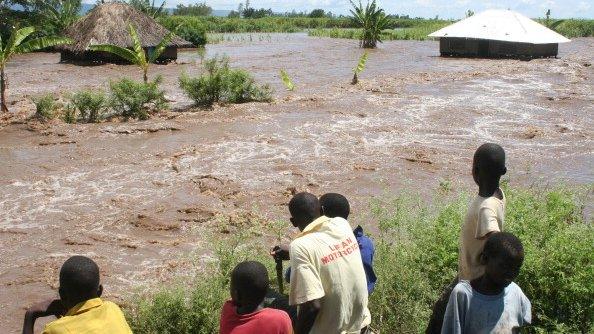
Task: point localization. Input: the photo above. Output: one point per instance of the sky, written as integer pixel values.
(422, 8)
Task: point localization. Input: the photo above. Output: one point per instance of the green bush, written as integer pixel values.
(189, 28)
(90, 104)
(132, 99)
(69, 114)
(45, 106)
(416, 257)
(223, 84)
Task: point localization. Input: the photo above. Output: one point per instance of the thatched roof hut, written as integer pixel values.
(498, 33)
(108, 24)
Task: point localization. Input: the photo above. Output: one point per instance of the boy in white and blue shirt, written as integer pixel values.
(491, 303)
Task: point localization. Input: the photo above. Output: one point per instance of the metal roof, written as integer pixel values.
(501, 25)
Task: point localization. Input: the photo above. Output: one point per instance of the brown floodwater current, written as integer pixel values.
(139, 197)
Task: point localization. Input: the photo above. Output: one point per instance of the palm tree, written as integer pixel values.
(16, 44)
(372, 20)
(148, 8)
(56, 16)
(136, 56)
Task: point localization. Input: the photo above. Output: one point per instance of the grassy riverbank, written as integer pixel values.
(416, 256)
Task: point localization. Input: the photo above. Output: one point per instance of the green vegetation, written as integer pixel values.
(416, 257)
(69, 114)
(17, 43)
(90, 105)
(220, 83)
(137, 55)
(359, 68)
(287, 80)
(55, 16)
(416, 32)
(132, 99)
(199, 9)
(190, 28)
(573, 28)
(149, 8)
(372, 20)
(45, 106)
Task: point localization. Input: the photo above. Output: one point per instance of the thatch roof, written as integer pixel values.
(501, 25)
(108, 24)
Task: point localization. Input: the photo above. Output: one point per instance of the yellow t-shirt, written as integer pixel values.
(326, 263)
(485, 215)
(93, 316)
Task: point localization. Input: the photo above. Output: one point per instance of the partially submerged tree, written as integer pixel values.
(16, 44)
(372, 20)
(137, 55)
(360, 67)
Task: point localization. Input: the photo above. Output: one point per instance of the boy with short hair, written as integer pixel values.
(491, 303)
(486, 212)
(80, 308)
(244, 313)
(336, 205)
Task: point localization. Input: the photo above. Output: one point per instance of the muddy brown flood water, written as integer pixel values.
(139, 196)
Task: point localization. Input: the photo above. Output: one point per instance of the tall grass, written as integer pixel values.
(416, 257)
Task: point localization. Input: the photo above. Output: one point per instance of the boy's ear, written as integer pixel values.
(483, 259)
(100, 290)
(61, 293)
(504, 171)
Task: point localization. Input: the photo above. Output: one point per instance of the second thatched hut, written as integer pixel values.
(108, 24)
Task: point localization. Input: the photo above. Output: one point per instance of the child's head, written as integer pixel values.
(79, 281)
(335, 205)
(488, 163)
(249, 283)
(502, 256)
(304, 208)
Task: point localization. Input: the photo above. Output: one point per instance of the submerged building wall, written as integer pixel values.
(169, 54)
(465, 47)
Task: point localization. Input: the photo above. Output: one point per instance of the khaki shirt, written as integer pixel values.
(326, 264)
(485, 215)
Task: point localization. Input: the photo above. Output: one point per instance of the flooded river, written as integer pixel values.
(139, 197)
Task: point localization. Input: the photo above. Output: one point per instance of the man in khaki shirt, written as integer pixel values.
(328, 282)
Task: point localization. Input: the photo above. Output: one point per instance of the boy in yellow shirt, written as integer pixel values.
(484, 217)
(79, 309)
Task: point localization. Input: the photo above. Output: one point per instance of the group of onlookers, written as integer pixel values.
(331, 275)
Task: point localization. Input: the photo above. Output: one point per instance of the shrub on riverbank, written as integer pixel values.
(416, 257)
(45, 106)
(90, 105)
(220, 83)
(132, 99)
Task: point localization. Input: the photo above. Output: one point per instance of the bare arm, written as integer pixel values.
(43, 309)
(307, 316)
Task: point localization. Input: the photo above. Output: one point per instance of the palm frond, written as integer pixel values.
(137, 45)
(286, 80)
(361, 65)
(156, 53)
(119, 51)
(16, 38)
(41, 43)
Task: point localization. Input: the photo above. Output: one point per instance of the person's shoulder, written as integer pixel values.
(516, 290)
(275, 315)
(462, 288)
